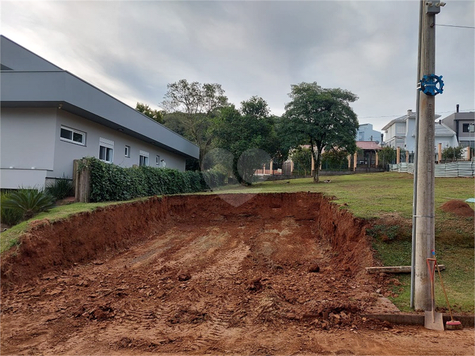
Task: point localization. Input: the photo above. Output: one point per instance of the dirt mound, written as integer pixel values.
(458, 207)
(277, 274)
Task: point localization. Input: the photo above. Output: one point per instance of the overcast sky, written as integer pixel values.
(133, 49)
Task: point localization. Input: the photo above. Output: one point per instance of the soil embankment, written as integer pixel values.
(268, 274)
(88, 236)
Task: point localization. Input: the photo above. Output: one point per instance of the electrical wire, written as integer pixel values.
(455, 26)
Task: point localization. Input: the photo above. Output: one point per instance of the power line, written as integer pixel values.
(399, 115)
(455, 26)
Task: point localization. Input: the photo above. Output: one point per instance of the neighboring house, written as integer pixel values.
(463, 123)
(50, 117)
(367, 154)
(400, 132)
(366, 133)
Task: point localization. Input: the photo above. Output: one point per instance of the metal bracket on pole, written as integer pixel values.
(433, 7)
(431, 85)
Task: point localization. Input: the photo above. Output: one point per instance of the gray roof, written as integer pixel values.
(28, 80)
(409, 115)
(443, 130)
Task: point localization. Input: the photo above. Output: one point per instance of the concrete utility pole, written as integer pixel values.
(425, 211)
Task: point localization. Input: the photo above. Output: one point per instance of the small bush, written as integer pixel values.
(113, 183)
(28, 202)
(62, 188)
(9, 216)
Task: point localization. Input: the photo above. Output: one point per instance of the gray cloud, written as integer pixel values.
(133, 49)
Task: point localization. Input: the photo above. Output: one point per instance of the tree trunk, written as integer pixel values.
(316, 158)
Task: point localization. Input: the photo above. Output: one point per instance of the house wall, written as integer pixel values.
(467, 139)
(65, 152)
(32, 150)
(395, 135)
(366, 133)
(55, 88)
(410, 144)
(446, 141)
(27, 147)
(456, 121)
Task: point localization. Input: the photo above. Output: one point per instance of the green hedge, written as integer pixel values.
(113, 183)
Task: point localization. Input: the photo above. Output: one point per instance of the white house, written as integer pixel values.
(49, 117)
(400, 132)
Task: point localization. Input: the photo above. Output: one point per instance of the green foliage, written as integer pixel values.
(9, 216)
(212, 179)
(302, 158)
(249, 135)
(113, 183)
(321, 118)
(194, 98)
(62, 188)
(191, 108)
(450, 154)
(151, 113)
(387, 155)
(28, 202)
(386, 233)
(335, 160)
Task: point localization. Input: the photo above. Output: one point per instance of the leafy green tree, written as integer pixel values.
(193, 106)
(320, 118)
(145, 109)
(249, 135)
(283, 142)
(452, 153)
(302, 158)
(387, 155)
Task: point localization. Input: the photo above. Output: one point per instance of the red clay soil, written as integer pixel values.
(268, 274)
(458, 207)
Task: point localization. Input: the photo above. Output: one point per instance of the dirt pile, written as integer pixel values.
(458, 207)
(277, 274)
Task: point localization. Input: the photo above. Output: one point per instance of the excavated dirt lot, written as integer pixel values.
(237, 274)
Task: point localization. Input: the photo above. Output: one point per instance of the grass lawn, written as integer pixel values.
(385, 198)
(9, 238)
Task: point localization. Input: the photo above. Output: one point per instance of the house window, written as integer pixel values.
(143, 158)
(106, 150)
(157, 160)
(72, 135)
(468, 128)
(127, 151)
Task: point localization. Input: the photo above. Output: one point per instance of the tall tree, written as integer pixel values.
(320, 118)
(197, 104)
(249, 135)
(145, 109)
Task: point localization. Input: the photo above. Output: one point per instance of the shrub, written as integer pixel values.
(113, 183)
(451, 154)
(28, 202)
(62, 188)
(9, 216)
